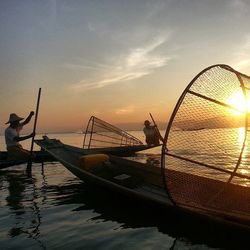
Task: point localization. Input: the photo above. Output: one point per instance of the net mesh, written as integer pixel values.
(207, 163)
(100, 134)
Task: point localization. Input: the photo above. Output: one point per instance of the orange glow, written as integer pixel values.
(239, 103)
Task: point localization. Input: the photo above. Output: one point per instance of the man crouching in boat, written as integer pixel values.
(12, 138)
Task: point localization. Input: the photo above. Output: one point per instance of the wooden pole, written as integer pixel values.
(161, 138)
(29, 164)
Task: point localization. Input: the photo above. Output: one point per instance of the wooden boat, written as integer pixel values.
(204, 172)
(138, 180)
(115, 172)
(100, 136)
(40, 156)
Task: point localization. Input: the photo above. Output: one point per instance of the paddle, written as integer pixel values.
(29, 164)
(161, 138)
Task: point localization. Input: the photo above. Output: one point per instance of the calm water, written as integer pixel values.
(56, 210)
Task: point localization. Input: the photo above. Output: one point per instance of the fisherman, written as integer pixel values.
(152, 134)
(12, 138)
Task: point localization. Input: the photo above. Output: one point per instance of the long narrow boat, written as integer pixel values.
(138, 180)
(40, 156)
(100, 137)
(112, 171)
(205, 154)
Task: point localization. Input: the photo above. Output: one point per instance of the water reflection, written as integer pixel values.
(55, 189)
(130, 213)
(21, 201)
(221, 148)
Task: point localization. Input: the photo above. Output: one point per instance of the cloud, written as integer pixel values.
(240, 7)
(91, 27)
(87, 65)
(134, 64)
(125, 110)
(238, 4)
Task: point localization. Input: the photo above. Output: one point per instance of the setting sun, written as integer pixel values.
(239, 103)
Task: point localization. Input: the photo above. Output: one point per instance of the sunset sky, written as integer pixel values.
(115, 59)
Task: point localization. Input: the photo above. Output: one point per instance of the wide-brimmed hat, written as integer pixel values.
(14, 118)
(147, 122)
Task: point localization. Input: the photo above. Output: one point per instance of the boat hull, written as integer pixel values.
(136, 180)
(40, 156)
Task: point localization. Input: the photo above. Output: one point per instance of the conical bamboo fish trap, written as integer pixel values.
(207, 165)
(100, 134)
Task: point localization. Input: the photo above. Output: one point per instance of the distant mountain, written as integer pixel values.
(215, 122)
(136, 126)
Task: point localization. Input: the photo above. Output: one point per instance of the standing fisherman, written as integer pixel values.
(12, 137)
(152, 135)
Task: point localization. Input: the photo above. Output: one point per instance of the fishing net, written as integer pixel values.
(100, 134)
(206, 167)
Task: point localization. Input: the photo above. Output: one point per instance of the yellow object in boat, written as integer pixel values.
(89, 161)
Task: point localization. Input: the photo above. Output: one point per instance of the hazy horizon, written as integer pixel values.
(133, 126)
(117, 60)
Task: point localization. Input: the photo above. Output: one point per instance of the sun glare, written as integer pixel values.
(238, 103)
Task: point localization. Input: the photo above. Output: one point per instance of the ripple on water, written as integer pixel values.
(55, 210)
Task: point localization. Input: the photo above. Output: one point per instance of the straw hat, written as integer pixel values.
(14, 118)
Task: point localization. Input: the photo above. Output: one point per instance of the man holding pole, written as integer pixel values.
(12, 137)
(152, 133)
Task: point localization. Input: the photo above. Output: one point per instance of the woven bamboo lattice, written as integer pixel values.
(206, 167)
(100, 134)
